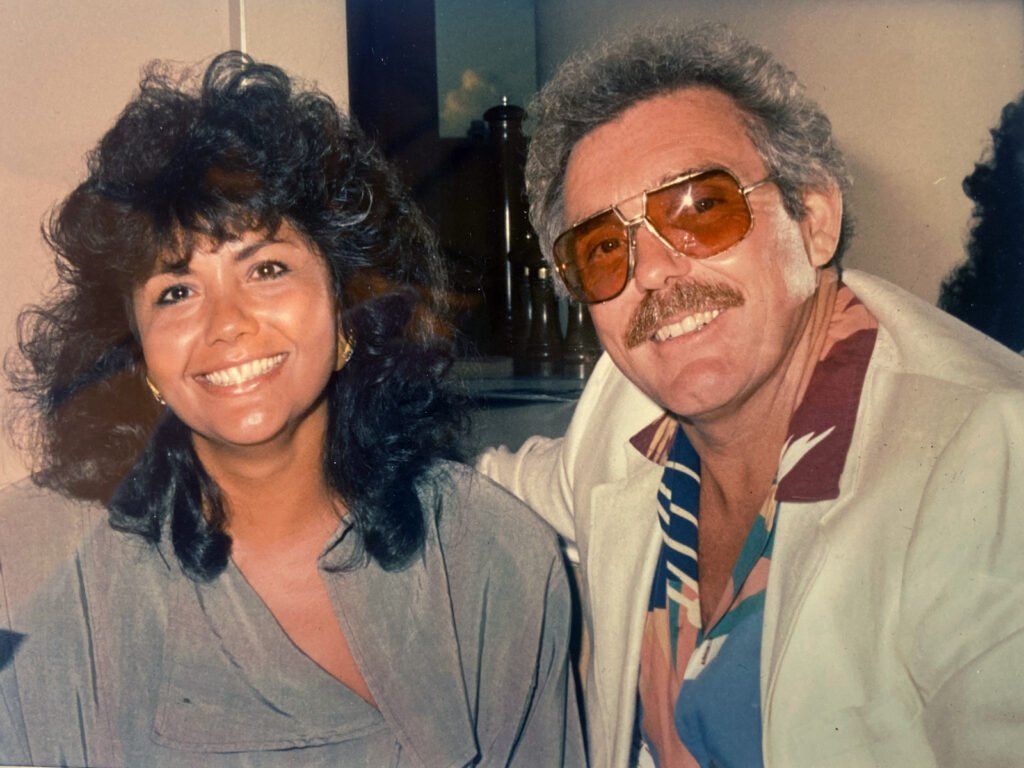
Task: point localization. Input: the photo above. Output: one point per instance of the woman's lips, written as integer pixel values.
(240, 374)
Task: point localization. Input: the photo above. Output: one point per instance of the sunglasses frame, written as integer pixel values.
(631, 225)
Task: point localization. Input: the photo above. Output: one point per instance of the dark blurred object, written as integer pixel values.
(512, 220)
(544, 347)
(987, 290)
(392, 95)
(581, 347)
(509, 408)
(471, 188)
(525, 258)
(393, 87)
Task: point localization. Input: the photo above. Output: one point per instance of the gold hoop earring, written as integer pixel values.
(346, 346)
(154, 391)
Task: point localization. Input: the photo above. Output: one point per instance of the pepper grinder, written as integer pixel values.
(544, 347)
(525, 258)
(509, 146)
(581, 348)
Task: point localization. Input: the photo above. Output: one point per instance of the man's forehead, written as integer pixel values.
(655, 140)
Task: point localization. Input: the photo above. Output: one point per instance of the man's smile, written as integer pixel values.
(688, 324)
(683, 308)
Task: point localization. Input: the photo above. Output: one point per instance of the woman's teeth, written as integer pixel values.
(686, 325)
(239, 374)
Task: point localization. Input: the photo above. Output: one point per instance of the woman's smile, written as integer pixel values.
(241, 374)
(241, 339)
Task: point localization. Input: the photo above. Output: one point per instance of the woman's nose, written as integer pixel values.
(656, 265)
(229, 317)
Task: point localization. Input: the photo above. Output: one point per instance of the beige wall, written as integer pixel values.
(306, 37)
(67, 69)
(912, 88)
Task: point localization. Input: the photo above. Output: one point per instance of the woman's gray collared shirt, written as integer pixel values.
(109, 655)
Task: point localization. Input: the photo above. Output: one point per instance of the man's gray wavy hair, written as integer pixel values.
(789, 130)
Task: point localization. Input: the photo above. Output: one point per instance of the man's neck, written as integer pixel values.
(739, 451)
(739, 448)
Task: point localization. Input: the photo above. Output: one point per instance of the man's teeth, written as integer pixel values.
(688, 324)
(239, 374)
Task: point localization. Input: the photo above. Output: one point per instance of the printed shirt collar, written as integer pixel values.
(821, 428)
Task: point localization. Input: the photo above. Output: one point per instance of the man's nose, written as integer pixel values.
(656, 265)
(228, 317)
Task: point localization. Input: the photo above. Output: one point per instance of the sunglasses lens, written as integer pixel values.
(700, 216)
(593, 258)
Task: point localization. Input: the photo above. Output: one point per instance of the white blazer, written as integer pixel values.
(894, 615)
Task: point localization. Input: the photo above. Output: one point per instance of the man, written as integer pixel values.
(851, 457)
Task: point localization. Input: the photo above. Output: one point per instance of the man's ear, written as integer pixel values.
(822, 224)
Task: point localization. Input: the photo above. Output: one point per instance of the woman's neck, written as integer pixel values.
(276, 491)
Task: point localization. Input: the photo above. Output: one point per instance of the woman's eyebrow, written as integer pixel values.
(252, 248)
(182, 266)
(176, 267)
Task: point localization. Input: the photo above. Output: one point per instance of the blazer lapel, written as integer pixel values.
(799, 552)
(620, 563)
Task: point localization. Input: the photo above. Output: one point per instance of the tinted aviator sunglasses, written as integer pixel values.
(696, 214)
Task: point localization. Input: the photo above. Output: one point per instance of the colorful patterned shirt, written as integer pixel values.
(699, 687)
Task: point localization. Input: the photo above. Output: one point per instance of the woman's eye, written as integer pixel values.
(269, 270)
(173, 294)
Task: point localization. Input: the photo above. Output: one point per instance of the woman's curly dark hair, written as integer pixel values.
(243, 150)
(986, 290)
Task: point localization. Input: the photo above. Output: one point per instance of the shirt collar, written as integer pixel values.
(399, 624)
(821, 428)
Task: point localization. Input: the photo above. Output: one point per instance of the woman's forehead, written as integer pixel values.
(184, 244)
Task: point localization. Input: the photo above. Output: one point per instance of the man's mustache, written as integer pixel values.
(680, 299)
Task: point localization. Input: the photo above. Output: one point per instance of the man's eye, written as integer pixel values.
(269, 270)
(705, 204)
(173, 294)
(607, 247)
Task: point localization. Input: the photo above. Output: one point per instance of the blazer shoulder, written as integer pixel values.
(920, 339)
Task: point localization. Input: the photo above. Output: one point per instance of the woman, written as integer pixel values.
(291, 572)
(985, 289)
